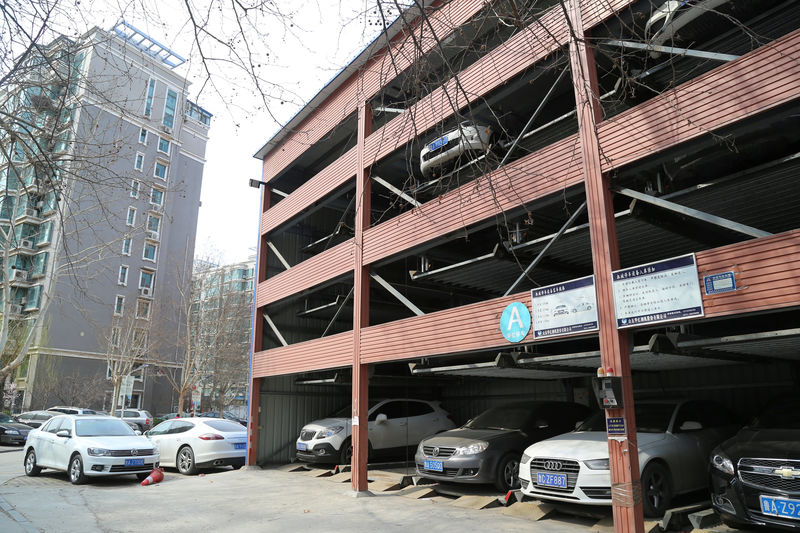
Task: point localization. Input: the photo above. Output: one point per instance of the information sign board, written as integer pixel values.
(564, 308)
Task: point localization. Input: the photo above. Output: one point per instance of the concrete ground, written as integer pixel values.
(271, 500)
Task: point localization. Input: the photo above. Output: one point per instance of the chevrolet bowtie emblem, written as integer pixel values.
(787, 472)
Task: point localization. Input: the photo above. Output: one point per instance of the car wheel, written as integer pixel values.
(656, 490)
(76, 475)
(346, 452)
(507, 473)
(185, 462)
(31, 469)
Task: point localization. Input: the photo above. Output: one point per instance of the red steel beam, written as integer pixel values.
(360, 391)
(626, 488)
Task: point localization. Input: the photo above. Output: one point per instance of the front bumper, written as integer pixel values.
(115, 466)
(319, 453)
(738, 503)
(480, 468)
(584, 486)
(18, 440)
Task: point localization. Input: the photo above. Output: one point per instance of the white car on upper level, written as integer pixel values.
(468, 137)
(675, 439)
(394, 426)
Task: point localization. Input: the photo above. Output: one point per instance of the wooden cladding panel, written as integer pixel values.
(767, 273)
(763, 79)
(547, 171)
(318, 269)
(335, 351)
(324, 183)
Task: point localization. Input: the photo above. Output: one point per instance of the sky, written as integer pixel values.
(295, 52)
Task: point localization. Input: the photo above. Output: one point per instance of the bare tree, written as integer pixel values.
(128, 348)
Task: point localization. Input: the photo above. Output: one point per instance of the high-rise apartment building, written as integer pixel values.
(101, 177)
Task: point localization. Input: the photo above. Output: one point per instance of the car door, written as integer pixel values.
(159, 436)
(392, 432)
(62, 446)
(43, 443)
(695, 438)
(177, 437)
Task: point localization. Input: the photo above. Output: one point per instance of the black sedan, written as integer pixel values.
(12, 432)
(755, 475)
(487, 449)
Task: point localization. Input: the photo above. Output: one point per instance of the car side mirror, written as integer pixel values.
(691, 425)
(64, 433)
(381, 418)
(147, 433)
(137, 432)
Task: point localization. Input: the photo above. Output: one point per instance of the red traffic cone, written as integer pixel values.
(156, 476)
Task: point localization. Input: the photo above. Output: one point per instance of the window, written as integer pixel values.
(169, 108)
(146, 279)
(163, 145)
(143, 136)
(153, 223)
(139, 161)
(160, 170)
(156, 196)
(143, 309)
(131, 221)
(115, 337)
(135, 188)
(119, 305)
(123, 275)
(150, 250)
(139, 339)
(126, 246)
(148, 103)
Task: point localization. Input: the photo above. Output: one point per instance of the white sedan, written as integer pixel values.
(675, 439)
(189, 444)
(86, 446)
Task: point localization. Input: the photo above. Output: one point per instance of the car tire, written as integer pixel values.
(507, 477)
(185, 461)
(656, 490)
(31, 468)
(346, 452)
(75, 471)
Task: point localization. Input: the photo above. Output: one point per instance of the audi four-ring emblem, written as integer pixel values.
(552, 465)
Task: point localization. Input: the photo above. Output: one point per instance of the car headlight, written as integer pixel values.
(12, 432)
(722, 462)
(525, 458)
(329, 432)
(98, 451)
(472, 449)
(419, 447)
(596, 464)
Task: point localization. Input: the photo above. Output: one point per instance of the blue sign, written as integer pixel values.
(564, 308)
(717, 283)
(615, 425)
(515, 322)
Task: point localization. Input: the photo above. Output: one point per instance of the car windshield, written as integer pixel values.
(5, 418)
(102, 427)
(503, 417)
(650, 418)
(779, 414)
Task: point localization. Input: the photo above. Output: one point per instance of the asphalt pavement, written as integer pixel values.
(271, 500)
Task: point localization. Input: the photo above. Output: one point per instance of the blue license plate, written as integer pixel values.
(438, 143)
(435, 466)
(546, 479)
(134, 462)
(302, 446)
(239, 445)
(780, 507)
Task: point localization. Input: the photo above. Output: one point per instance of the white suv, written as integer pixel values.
(467, 137)
(393, 425)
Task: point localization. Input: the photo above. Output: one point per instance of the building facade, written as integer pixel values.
(105, 234)
(619, 141)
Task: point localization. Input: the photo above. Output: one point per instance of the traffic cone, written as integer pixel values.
(156, 476)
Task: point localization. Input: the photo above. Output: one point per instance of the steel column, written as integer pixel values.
(256, 344)
(360, 390)
(623, 452)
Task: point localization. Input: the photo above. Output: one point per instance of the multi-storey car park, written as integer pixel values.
(613, 147)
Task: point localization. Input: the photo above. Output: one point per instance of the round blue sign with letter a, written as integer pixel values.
(515, 322)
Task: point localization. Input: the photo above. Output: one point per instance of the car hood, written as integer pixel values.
(327, 423)
(582, 445)
(22, 428)
(139, 442)
(459, 436)
(764, 443)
